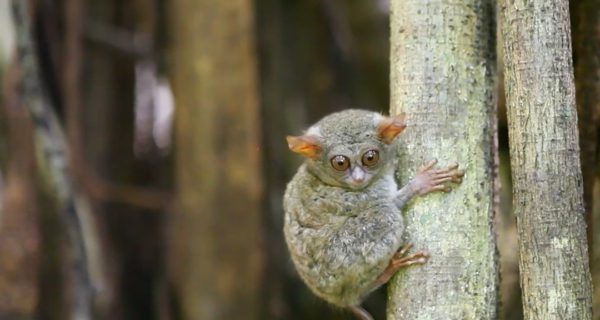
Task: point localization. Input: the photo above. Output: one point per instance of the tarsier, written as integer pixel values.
(343, 220)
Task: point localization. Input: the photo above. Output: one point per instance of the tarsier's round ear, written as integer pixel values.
(390, 127)
(307, 146)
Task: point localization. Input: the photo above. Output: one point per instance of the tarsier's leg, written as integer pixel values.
(399, 260)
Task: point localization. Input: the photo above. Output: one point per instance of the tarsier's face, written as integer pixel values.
(350, 148)
(354, 166)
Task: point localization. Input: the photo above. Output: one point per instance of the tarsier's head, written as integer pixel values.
(350, 148)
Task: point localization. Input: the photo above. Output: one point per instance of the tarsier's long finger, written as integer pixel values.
(445, 175)
(441, 187)
(452, 176)
(418, 254)
(459, 173)
(447, 169)
(427, 166)
(440, 180)
(456, 179)
(418, 257)
(403, 250)
(451, 167)
(396, 263)
(408, 263)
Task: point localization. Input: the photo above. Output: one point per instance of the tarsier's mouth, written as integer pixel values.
(358, 185)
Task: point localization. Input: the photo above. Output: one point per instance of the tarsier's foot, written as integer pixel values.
(399, 260)
(429, 179)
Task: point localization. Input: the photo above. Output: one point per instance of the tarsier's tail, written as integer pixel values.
(361, 313)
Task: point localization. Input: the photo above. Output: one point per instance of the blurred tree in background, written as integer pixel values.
(107, 215)
(215, 246)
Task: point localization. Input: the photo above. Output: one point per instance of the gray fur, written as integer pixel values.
(341, 237)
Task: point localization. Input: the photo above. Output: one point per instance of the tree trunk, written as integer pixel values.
(216, 254)
(544, 149)
(442, 76)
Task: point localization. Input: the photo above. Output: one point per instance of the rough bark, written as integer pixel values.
(216, 255)
(544, 147)
(442, 76)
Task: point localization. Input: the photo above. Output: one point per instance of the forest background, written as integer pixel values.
(143, 157)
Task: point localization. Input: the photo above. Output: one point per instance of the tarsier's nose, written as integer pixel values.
(358, 174)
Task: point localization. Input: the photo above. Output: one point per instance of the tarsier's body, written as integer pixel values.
(343, 221)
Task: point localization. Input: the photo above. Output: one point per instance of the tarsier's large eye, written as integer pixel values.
(370, 158)
(340, 163)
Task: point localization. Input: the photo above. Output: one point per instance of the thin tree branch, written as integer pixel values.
(53, 167)
(146, 198)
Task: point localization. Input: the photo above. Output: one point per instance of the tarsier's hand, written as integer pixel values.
(429, 179)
